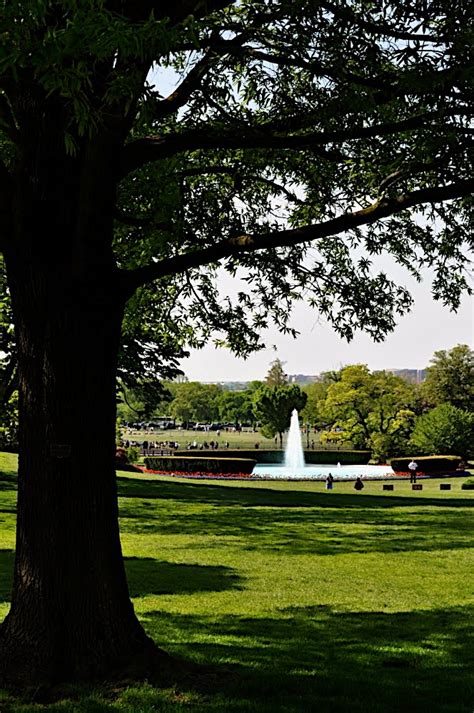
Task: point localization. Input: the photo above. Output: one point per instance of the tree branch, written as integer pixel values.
(313, 67)
(239, 178)
(153, 148)
(143, 222)
(245, 244)
(378, 28)
(190, 84)
(7, 119)
(175, 10)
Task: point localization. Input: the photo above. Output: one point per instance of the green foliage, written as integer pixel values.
(236, 407)
(143, 401)
(372, 409)
(273, 407)
(450, 377)
(9, 423)
(445, 429)
(427, 464)
(285, 116)
(276, 374)
(200, 464)
(316, 394)
(193, 401)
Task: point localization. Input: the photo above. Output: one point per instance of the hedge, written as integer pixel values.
(261, 455)
(427, 464)
(199, 464)
(468, 485)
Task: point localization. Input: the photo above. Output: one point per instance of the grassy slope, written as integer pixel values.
(301, 600)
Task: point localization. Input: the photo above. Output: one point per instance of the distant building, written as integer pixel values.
(303, 379)
(414, 376)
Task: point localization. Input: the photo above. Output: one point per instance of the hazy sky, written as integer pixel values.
(430, 326)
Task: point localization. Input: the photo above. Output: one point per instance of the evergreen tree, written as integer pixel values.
(276, 375)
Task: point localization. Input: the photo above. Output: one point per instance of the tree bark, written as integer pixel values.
(71, 617)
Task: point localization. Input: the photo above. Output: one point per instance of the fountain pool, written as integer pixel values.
(319, 472)
(295, 467)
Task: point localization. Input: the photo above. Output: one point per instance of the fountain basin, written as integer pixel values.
(320, 472)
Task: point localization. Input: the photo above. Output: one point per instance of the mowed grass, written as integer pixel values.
(243, 439)
(292, 598)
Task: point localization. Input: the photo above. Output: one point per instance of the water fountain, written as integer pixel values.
(294, 454)
(295, 468)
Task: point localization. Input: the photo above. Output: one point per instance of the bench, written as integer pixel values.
(416, 486)
(445, 486)
(387, 486)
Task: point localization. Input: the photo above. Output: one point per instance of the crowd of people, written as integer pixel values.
(204, 446)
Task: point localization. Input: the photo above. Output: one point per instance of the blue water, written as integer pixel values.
(341, 472)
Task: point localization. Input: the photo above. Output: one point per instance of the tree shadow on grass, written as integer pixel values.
(314, 659)
(307, 530)
(149, 576)
(257, 496)
(8, 480)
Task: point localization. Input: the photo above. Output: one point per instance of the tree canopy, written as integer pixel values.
(450, 377)
(446, 430)
(147, 148)
(272, 406)
(276, 374)
(373, 409)
(292, 124)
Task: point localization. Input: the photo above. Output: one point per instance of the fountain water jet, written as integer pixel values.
(295, 468)
(294, 454)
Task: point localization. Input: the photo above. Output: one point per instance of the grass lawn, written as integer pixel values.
(244, 439)
(295, 599)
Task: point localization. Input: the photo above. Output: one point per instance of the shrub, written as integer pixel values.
(427, 464)
(260, 455)
(200, 464)
(445, 429)
(125, 457)
(468, 485)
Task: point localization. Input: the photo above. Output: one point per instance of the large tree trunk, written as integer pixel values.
(71, 617)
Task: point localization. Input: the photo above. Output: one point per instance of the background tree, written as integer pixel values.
(276, 374)
(316, 395)
(273, 406)
(450, 377)
(292, 124)
(445, 430)
(236, 407)
(371, 408)
(193, 401)
(143, 401)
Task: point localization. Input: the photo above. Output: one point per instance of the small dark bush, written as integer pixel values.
(199, 464)
(468, 485)
(261, 455)
(427, 464)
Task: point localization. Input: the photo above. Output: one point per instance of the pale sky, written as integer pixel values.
(429, 327)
